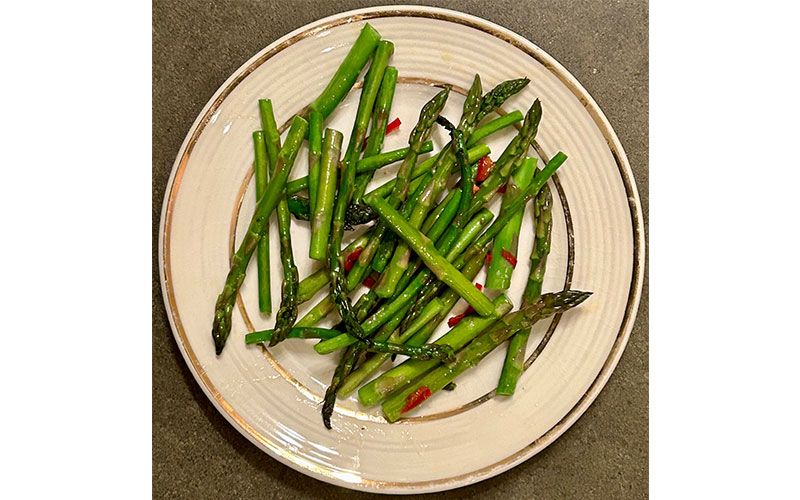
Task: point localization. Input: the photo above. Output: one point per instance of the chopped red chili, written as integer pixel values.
(509, 257)
(502, 189)
(391, 127)
(369, 282)
(457, 318)
(489, 258)
(485, 166)
(479, 286)
(416, 397)
(351, 259)
(475, 188)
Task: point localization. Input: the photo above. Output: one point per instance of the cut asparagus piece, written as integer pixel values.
(223, 310)
(504, 252)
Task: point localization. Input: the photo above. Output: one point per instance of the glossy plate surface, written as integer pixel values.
(272, 396)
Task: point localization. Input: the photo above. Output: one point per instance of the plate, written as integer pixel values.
(272, 396)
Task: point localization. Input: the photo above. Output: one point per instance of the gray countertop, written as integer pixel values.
(196, 46)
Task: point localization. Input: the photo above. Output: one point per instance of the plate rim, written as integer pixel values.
(634, 205)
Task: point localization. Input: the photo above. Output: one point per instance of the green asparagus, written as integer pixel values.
(223, 310)
(515, 356)
(500, 269)
(261, 168)
(547, 305)
(380, 117)
(326, 194)
(404, 373)
(348, 71)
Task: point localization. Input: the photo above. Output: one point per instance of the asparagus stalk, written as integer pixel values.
(494, 126)
(262, 253)
(547, 305)
(380, 117)
(500, 269)
(338, 285)
(326, 194)
(294, 333)
(348, 71)
(515, 356)
(372, 364)
(287, 312)
(434, 260)
(343, 369)
(474, 154)
(223, 310)
(516, 149)
(314, 154)
(273, 142)
(419, 134)
(404, 373)
(367, 165)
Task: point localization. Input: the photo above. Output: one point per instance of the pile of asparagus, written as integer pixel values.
(427, 244)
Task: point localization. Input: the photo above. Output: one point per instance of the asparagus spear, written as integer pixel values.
(515, 356)
(434, 260)
(400, 189)
(314, 154)
(343, 369)
(326, 194)
(338, 280)
(287, 312)
(380, 117)
(404, 373)
(474, 154)
(369, 366)
(493, 126)
(547, 305)
(367, 165)
(223, 310)
(294, 333)
(348, 71)
(500, 269)
(516, 149)
(262, 253)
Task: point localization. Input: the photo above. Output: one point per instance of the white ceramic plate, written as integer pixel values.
(459, 437)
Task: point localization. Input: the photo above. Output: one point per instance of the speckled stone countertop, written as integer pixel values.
(196, 46)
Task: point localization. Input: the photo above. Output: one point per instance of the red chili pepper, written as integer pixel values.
(479, 286)
(502, 189)
(509, 257)
(351, 259)
(475, 188)
(485, 166)
(457, 319)
(369, 282)
(391, 127)
(416, 397)
(489, 258)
